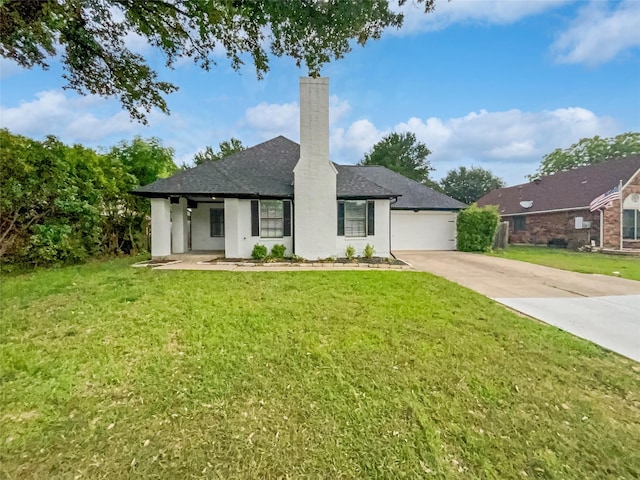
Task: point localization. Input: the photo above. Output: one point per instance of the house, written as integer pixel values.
(579, 206)
(279, 192)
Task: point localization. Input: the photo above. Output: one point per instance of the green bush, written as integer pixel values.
(477, 227)
(277, 251)
(350, 252)
(259, 252)
(369, 251)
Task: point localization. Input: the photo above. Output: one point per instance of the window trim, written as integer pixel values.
(256, 217)
(635, 227)
(264, 218)
(519, 223)
(368, 207)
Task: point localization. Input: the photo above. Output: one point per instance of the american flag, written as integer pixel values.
(604, 199)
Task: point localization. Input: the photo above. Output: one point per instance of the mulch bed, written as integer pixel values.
(361, 260)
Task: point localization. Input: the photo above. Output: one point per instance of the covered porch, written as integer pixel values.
(229, 227)
(188, 227)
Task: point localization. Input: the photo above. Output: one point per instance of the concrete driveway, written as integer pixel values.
(599, 308)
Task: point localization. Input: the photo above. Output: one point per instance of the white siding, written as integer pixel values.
(379, 241)
(238, 240)
(201, 238)
(423, 230)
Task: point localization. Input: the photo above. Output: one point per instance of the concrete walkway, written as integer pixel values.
(603, 309)
(277, 267)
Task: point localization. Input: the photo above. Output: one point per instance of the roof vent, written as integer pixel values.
(526, 203)
(537, 180)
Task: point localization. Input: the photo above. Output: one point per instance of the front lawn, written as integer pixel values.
(112, 372)
(583, 262)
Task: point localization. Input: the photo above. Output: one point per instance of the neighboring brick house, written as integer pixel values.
(557, 206)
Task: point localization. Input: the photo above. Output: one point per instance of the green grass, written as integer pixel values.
(112, 372)
(583, 262)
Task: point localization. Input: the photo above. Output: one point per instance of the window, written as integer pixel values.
(271, 219)
(356, 218)
(631, 224)
(631, 217)
(519, 223)
(217, 222)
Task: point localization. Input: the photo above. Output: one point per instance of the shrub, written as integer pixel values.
(369, 251)
(259, 252)
(277, 251)
(477, 227)
(350, 252)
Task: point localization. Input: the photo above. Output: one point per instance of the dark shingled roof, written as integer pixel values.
(415, 196)
(564, 190)
(266, 170)
(263, 170)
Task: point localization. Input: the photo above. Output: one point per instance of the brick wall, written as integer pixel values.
(612, 219)
(540, 228)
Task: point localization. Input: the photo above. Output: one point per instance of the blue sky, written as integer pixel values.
(495, 84)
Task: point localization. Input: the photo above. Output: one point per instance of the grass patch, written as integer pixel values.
(110, 371)
(583, 262)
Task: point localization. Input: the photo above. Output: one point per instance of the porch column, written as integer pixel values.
(179, 225)
(160, 227)
(232, 228)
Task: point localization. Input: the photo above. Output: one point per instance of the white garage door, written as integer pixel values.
(423, 230)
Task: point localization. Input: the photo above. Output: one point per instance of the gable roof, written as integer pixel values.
(263, 170)
(266, 170)
(572, 189)
(415, 196)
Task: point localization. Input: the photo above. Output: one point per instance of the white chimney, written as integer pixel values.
(315, 201)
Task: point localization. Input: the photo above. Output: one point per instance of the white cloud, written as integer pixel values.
(513, 140)
(8, 67)
(601, 31)
(68, 117)
(337, 109)
(272, 119)
(470, 11)
(509, 141)
(351, 144)
(269, 120)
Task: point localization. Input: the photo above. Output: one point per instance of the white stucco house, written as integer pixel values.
(279, 192)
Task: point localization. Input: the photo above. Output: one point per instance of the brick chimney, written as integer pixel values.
(315, 201)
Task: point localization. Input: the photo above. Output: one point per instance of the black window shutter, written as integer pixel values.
(286, 212)
(255, 218)
(371, 218)
(341, 219)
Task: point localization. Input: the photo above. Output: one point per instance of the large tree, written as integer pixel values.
(402, 153)
(469, 184)
(588, 151)
(225, 148)
(91, 36)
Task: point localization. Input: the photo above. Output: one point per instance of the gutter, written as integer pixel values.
(544, 211)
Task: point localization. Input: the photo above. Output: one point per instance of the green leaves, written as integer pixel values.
(476, 228)
(402, 153)
(92, 38)
(469, 184)
(225, 148)
(63, 204)
(588, 151)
